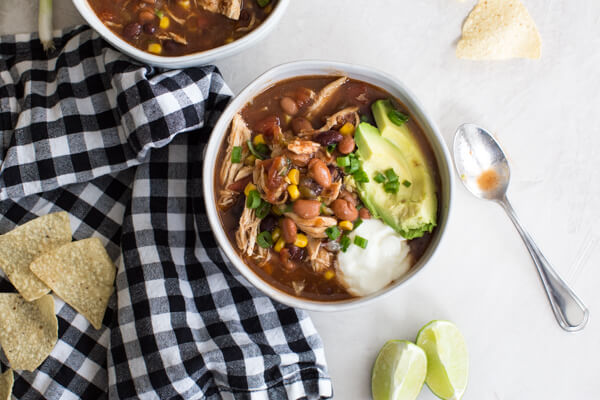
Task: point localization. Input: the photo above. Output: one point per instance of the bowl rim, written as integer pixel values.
(194, 59)
(268, 79)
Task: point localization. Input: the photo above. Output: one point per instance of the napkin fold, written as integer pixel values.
(119, 145)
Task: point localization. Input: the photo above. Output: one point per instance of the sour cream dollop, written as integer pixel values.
(385, 259)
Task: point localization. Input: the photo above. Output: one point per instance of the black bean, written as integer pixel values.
(132, 30)
(328, 137)
(149, 28)
(171, 46)
(296, 253)
(268, 223)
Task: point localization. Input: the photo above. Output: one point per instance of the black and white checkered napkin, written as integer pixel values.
(88, 131)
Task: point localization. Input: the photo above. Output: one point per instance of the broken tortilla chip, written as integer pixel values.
(82, 274)
(499, 30)
(19, 247)
(28, 330)
(7, 380)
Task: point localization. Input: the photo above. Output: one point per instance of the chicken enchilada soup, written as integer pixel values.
(180, 27)
(327, 187)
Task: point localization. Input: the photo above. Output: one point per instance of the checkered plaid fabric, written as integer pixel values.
(86, 130)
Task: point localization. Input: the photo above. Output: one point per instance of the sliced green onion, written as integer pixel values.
(391, 175)
(333, 232)
(236, 154)
(343, 161)
(397, 117)
(263, 210)
(45, 24)
(264, 239)
(254, 150)
(253, 200)
(361, 176)
(331, 148)
(391, 187)
(345, 242)
(379, 177)
(357, 223)
(263, 3)
(361, 242)
(159, 13)
(406, 183)
(353, 167)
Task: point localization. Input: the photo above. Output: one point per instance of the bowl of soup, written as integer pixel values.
(327, 185)
(181, 33)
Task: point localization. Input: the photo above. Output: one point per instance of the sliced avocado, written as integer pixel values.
(411, 211)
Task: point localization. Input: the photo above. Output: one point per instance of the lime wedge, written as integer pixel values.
(447, 359)
(399, 371)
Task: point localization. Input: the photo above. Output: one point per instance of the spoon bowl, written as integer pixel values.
(484, 170)
(480, 162)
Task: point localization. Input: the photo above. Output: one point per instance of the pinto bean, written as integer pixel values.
(307, 208)
(364, 213)
(289, 230)
(301, 124)
(289, 106)
(146, 16)
(344, 210)
(285, 258)
(346, 195)
(346, 145)
(238, 186)
(318, 170)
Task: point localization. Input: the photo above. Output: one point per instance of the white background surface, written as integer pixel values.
(546, 115)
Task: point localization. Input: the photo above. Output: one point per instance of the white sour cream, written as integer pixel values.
(386, 258)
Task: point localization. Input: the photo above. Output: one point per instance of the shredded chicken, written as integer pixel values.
(180, 21)
(298, 287)
(277, 196)
(229, 8)
(245, 237)
(113, 24)
(323, 97)
(303, 146)
(244, 172)
(313, 227)
(336, 121)
(239, 134)
(320, 258)
(329, 194)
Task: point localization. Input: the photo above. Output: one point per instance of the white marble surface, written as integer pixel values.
(545, 115)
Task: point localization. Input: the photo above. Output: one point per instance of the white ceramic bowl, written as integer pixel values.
(190, 60)
(303, 68)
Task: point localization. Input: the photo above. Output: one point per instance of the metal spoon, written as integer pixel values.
(484, 170)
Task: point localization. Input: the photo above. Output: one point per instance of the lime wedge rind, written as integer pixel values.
(399, 371)
(447, 358)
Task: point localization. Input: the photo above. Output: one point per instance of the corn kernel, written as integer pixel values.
(249, 187)
(293, 191)
(329, 274)
(294, 176)
(164, 22)
(276, 234)
(250, 160)
(185, 4)
(258, 139)
(155, 48)
(301, 240)
(347, 129)
(346, 225)
(279, 245)
(228, 40)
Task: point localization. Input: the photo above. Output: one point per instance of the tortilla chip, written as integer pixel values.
(82, 274)
(28, 330)
(499, 30)
(6, 384)
(19, 247)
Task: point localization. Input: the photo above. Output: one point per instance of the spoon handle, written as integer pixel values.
(569, 310)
